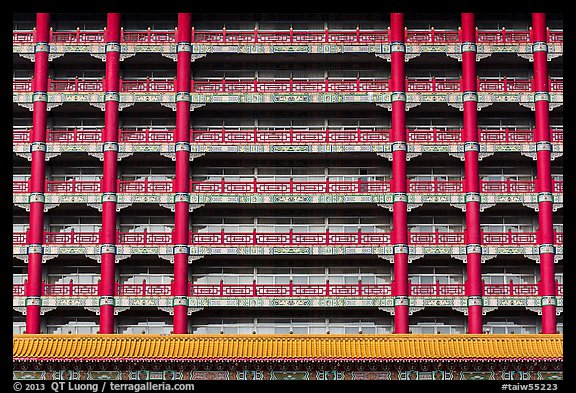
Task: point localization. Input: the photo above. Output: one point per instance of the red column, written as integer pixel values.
(110, 149)
(182, 181)
(38, 149)
(471, 179)
(399, 215)
(544, 178)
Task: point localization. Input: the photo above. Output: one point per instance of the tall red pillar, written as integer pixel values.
(471, 179)
(110, 149)
(399, 214)
(544, 179)
(36, 187)
(182, 179)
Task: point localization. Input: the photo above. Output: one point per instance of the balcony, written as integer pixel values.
(288, 91)
(288, 139)
(290, 238)
(286, 295)
(293, 85)
(285, 290)
(277, 41)
(291, 191)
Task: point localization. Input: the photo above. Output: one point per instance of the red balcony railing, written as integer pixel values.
(76, 37)
(224, 86)
(508, 186)
(326, 289)
(287, 187)
(145, 186)
(289, 238)
(290, 187)
(510, 289)
(435, 186)
(299, 37)
(290, 136)
(436, 289)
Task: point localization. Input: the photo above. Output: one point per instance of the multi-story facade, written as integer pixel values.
(321, 186)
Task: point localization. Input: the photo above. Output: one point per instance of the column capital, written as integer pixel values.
(541, 96)
(183, 96)
(470, 96)
(180, 301)
(468, 47)
(398, 96)
(546, 249)
(474, 301)
(181, 249)
(399, 145)
(36, 197)
(39, 96)
(110, 146)
(540, 46)
(548, 301)
(400, 248)
(41, 47)
(543, 145)
(545, 196)
(472, 197)
(473, 249)
(182, 197)
(108, 249)
(182, 146)
(106, 301)
(399, 197)
(35, 249)
(111, 96)
(471, 146)
(33, 301)
(109, 197)
(112, 47)
(183, 47)
(38, 146)
(397, 46)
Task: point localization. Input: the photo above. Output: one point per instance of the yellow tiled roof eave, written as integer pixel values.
(286, 347)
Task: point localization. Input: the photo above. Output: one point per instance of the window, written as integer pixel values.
(435, 223)
(78, 275)
(519, 223)
(87, 325)
(438, 326)
(160, 224)
(505, 274)
(18, 327)
(76, 173)
(505, 325)
(442, 274)
(145, 326)
(19, 224)
(145, 172)
(74, 223)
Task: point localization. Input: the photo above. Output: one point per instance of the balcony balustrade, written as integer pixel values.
(327, 85)
(328, 289)
(290, 238)
(259, 186)
(301, 135)
(292, 37)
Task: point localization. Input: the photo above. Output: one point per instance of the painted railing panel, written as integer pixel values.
(228, 86)
(291, 238)
(298, 37)
(327, 289)
(289, 136)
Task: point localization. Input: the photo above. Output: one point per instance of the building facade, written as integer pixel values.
(306, 178)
